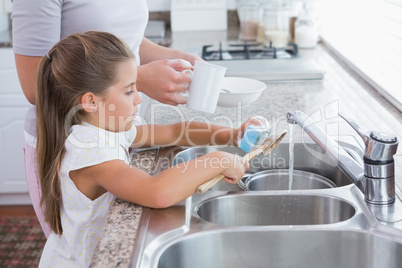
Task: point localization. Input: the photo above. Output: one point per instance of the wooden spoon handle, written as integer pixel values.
(209, 184)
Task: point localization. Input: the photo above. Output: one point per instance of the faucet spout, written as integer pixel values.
(345, 162)
(376, 178)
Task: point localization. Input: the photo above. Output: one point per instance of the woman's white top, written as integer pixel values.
(40, 24)
(83, 219)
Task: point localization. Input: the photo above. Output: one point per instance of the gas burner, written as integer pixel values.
(217, 55)
(249, 51)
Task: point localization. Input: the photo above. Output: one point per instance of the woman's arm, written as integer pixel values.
(189, 133)
(36, 28)
(159, 76)
(150, 51)
(26, 68)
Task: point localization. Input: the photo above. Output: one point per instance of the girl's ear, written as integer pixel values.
(88, 102)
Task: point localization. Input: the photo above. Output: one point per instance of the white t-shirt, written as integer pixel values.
(39, 24)
(83, 219)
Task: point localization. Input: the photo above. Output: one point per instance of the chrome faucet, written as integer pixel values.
(376, 179)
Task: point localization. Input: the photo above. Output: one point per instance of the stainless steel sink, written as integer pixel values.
(230, 227)
(277, 159)
(283, 248)
(261, 209)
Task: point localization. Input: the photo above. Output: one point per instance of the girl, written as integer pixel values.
(39, 24)
(86, 101)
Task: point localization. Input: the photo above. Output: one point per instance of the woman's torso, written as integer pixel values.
(39, 24)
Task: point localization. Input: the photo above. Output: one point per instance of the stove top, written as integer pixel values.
(253, 60)
(248, 50)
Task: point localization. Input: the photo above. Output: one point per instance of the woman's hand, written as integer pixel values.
(162, 80)
(160, 73)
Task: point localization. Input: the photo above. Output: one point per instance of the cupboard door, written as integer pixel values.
(13, 107)
(12, 175)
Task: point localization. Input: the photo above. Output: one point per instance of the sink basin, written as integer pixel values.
(277, 159)
(252, 210)
(289, 248)
(278, 179)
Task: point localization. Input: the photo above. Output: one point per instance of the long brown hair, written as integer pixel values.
(77, 64)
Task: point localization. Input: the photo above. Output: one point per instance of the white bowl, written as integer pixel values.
(243, 91)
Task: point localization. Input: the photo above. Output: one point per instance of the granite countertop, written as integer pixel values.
(119, 235)
(340, 90)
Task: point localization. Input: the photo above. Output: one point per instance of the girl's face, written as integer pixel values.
(117, 111)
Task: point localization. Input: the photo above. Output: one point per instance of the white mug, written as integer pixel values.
(204, 90)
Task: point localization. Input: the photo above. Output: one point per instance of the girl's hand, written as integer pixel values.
(257, 121)
(236, 168)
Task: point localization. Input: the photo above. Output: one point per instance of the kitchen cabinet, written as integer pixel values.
(13, 107)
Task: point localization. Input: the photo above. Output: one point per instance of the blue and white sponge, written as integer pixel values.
(252, 137)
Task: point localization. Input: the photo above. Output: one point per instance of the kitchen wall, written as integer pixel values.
(164, 5)
(5, 7)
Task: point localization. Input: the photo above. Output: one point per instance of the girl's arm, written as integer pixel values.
(163, 190)
(189, 133)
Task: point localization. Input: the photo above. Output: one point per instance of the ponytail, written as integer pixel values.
(50, 146)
